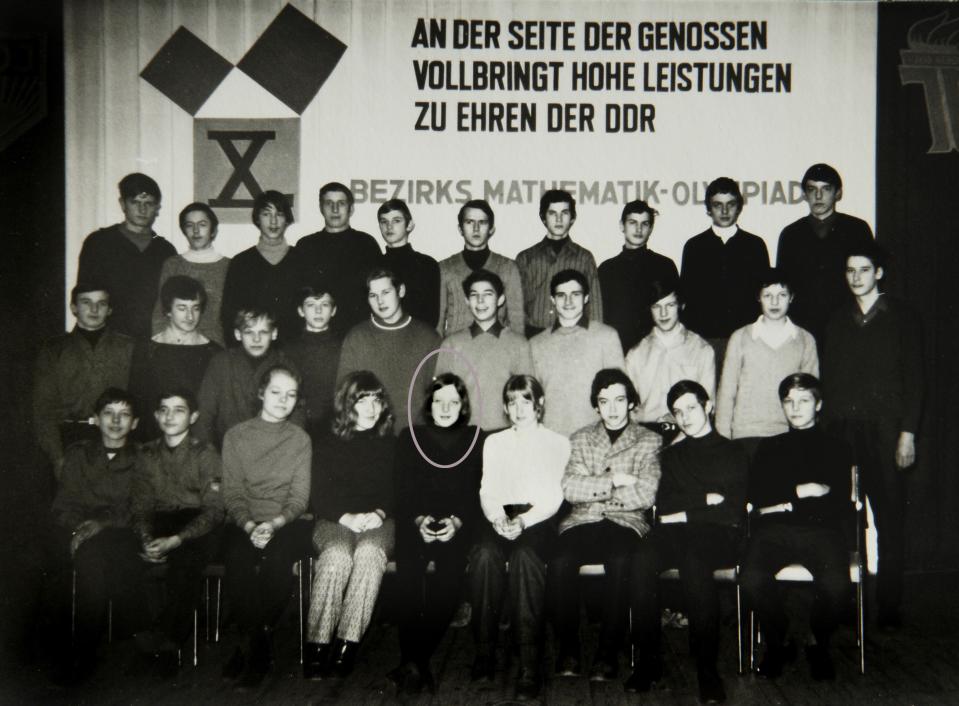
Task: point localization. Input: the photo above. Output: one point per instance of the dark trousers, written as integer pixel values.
(427, 603)
(258, 581)
(874, 448)
(604, 543)
(696, 550)
(527, 556)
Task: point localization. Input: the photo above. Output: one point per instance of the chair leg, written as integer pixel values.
(632, 645)
(196, 628)
(753, 634)
(739, 628)
(860, 626)
(73, 608)
(206, 607)
(110, 621)
(219, 597)
(299, 575)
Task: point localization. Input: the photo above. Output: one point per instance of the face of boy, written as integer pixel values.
(174, 416)
(636, 230)
(484, 302)
(279, 397)
(446, 406)
(521, 411)
(184, 315)
(368, 410)
(800, 408)
(139, 212)
(317, 312)
(475, 229)
(691, 416)
(116, 421)
(724, 209)
(198, 230)
(385, 301)
(395, 229)
(558, 219)
(666, 312)
(821, 197)
(613, 406)
(256, 336)
(862, 276)
(91, 310)
(272, 223)
(569, 300)
(775, 300)
(336, 209)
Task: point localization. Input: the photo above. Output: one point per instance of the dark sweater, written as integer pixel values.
(625, 281)
(720, 282)
(341, 262)
(816, 266)
(801, 456)
(697, 466)
(352, 475)
(317, 356)
(872, 365)
(252, 281)
(132, 277)
(421, 275)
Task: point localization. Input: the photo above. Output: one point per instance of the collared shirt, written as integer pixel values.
(495, 330)
(583, 322)
(864, 318)
(537, 265)
(95, 485)
(773, 336)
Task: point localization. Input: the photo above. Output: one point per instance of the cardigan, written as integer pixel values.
(212, 275)
(538, 263)
(454, 310)
(352, 475)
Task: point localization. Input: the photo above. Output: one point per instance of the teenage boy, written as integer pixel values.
(758, 357)
(127, 257)
(92, 515)
(477, 226)
(700, 506)
(721, 269)
(668, 354)
(420, 271)
(625, 279)
(176, 506)
(799, 489)
(568, 354)
(610, 483)
(812, 250)
(72, 369)
(227, 394)
(486, 354)
(872, 378)
(316, 354)
(392, 345)
(554, 253)
(339, 255)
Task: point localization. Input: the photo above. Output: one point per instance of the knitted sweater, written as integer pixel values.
(266, 471)
(212, 275)
(748, 401)
(455, 312)
(253, 281)
(565, 360)
(421, 275)
(352, 475)
(537, 265)
(317, 356)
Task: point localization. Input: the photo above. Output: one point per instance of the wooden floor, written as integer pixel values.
(916, 665)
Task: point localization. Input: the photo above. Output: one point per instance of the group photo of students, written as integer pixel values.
(482, 427)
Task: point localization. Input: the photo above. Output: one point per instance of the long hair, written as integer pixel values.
(354, 387)
(441, 381)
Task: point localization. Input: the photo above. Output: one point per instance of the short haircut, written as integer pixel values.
(870, 250)
(113, 395)
(662, 288)
(336, 186)
(482, 275)
(724, 185)
(85, 287)
(482, 205)
(132, 185)
(181, 287)
(380, 273)
(800, 381)
(773, 275)
(639, 207)
(199, 206)
(527, 387)
(276, 369)
(608, 377)
(439, 382)
(275, 199)
(683, 387)
(180, 392)
(353, 387)
(248, 315)
(556, 196)
(822, 172)
(395, 205)
(315, 289)
(564, 276)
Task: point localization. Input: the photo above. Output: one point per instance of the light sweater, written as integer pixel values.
(455, 312)
(211, 275)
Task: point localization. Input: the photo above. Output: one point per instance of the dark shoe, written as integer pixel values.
(344, 657)
(483, 669)
(605, 668)
(711, 689)
(568, 666)
(234, 666)
(643, 677)
(820, 663)
(316, 660)
(528, 684)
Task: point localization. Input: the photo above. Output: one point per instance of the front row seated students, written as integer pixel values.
(176, 507)
(438, 466)
(316, 354)
(799, 489)
(228, 393)
(567, 355)
(352, 497)
(485, 354)
(758, 357)
(266, 486)
(420, 271)
(668, 354)
(520, 494)
(610, 482)
(391, 344)
(701, 508)
(92, 514)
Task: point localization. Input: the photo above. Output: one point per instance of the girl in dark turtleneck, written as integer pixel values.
(353, 501)
(438, 468)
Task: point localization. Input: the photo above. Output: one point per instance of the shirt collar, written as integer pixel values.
(493, 330)
(582, 323)
(863, 319)
(756, 329)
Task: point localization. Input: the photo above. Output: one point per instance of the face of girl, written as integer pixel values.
(279, 397)
(446, 406)
(367, 409)
(521, 411)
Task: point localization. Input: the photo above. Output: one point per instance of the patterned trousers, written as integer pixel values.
(347, 579)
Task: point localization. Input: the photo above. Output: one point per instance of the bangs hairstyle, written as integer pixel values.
(800, 381)
(529, 388)
(274, 370)
(436, 384)
(354, 387)
(683, 387)
(335, 186)
(639, 207)
(181, 287)
(564, 276)
(662, 288)
(275, 199)
(724, 185)
(395, 205)
(132, 185)
(314, 290)
(180, 392)
(482, 275)
(772, 276)
(205, 210)
(250, 315)
(556, 196)
(480, 205)
(380, 273)
(608, 377)
(113, 395)
(869, 250)
(822, 172)
(86, 288)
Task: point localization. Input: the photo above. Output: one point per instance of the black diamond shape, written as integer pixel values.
(186, 70)
(293, 58)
